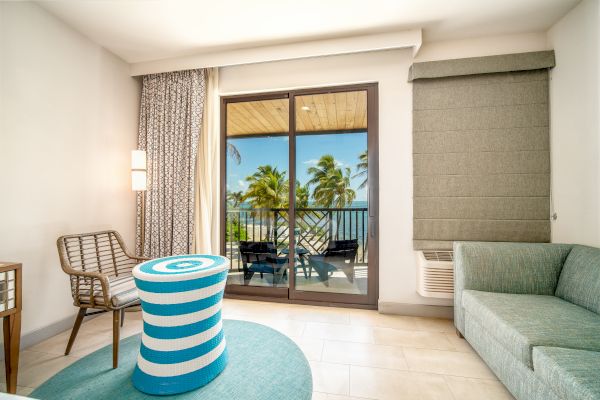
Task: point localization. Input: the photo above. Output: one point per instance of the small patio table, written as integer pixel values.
(183, 347)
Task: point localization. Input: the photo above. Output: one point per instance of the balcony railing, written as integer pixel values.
(314, 229)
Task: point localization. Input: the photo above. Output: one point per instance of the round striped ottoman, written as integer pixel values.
(183, 347)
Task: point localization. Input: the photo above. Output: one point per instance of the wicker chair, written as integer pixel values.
(99, 268)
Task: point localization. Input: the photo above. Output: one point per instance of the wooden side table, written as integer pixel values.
(10, 311)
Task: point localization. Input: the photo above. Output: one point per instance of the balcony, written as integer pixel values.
(317, 232)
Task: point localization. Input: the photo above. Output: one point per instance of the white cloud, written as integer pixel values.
(312, 161)
(242, 184)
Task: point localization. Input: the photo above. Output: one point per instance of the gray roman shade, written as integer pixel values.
(481, 156)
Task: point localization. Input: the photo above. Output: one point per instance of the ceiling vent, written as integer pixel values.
(436, 274)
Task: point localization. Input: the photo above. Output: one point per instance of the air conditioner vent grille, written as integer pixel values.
(436, 255)
(436, 274)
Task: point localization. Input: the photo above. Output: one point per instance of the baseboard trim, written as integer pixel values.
(416, 310)
(39, 335)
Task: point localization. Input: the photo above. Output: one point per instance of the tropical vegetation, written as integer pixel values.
(362, 169)
(329, 186)
(331, 183)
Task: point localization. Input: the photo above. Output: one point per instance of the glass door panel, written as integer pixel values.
(257, 192)
(331, 198)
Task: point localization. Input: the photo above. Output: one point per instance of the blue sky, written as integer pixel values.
(257, 151)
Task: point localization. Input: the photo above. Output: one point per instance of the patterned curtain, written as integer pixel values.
(170, 122)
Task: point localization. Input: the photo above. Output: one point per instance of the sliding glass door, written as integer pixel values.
(300, 194)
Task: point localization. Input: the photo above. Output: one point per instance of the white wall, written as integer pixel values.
(69, 113)
(397, 267)
(575, 136)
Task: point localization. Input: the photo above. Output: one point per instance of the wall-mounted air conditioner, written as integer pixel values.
(435, 274)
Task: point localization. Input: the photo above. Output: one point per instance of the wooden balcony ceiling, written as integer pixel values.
(330, 112)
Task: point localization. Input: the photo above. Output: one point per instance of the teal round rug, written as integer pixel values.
(263, 365)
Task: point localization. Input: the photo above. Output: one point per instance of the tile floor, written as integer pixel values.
(354, 354)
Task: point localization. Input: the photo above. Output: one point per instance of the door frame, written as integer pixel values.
(290, 293)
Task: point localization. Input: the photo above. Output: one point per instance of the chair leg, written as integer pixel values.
(75, 330)
(122, 317)
(116, 329)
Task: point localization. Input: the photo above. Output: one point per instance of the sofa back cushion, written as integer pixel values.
(579, 281)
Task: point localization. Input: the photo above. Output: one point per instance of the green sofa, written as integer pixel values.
(532, 312)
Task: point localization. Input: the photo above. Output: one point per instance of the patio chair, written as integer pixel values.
(339, 255)
(261, 257)
(99, 267)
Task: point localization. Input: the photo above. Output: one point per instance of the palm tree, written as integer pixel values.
(233, 230)
(332, 183)
(268, 188)
(362, 169)
(234, 199)
(234, 153)
(302, 195)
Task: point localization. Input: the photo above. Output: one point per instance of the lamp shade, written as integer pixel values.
(138, 180)
(138, 159)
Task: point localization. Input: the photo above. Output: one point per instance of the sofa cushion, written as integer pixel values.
(579, 280)
(572, 374)
(522, 321)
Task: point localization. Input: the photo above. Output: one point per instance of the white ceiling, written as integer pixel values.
(144, 30)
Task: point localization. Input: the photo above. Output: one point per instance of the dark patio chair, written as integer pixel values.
(261, 257)
(339, 255)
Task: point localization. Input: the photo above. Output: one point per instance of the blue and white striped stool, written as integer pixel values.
(183, 347)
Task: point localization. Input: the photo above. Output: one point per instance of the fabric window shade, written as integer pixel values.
(481, 155)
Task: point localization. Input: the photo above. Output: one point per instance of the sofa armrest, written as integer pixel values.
(521, 268)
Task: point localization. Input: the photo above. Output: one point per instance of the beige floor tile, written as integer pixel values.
(331, 315)
(297, 312)
(255, 308)
(406, 338)
(132, 328)
(435, 324)
(364, 354)
(54, 345)
(458, 343)
(476, 389)
(93, 335)
(447, 362)
(26, 357)
(45, 365)
(24, 391)
(312, 348)
(346, 333)
(373, 318)
(384, 384)
(89, 342)
(21, 390)
(330, 378)
(286, 326)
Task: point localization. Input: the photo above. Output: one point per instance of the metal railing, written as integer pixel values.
(314, 228)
